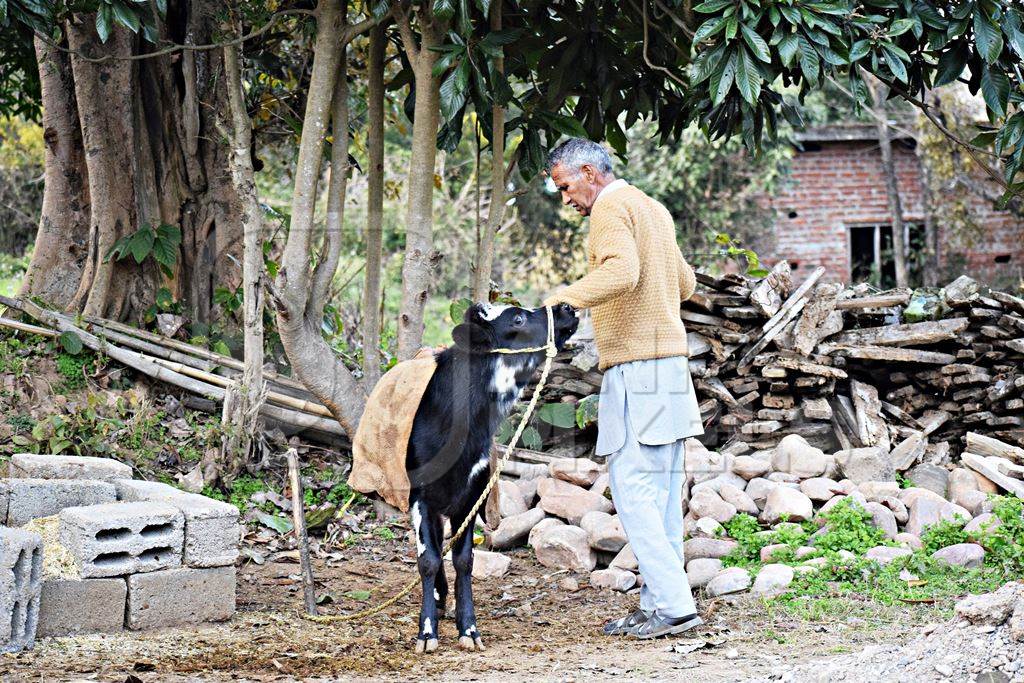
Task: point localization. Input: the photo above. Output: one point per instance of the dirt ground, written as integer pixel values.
(532, 627)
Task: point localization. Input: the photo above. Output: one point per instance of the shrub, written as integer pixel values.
(944, 533)
(849, 528)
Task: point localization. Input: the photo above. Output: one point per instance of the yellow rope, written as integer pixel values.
(549, 351)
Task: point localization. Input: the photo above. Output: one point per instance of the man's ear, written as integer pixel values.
(471, 336)
(589, 172)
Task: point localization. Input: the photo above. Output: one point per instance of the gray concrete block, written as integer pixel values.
(72, 606)
(180, 596)
(21, 580)
(5, 493)
(122, 538)
(42, 466)
(28, 499)
(212, 531)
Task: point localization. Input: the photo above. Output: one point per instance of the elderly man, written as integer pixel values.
(637, 277)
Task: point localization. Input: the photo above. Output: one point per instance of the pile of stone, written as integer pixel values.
(567, 517)
(139, 554)
(983, 642)
(843, 367)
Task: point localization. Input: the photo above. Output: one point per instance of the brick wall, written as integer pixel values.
(841, 186)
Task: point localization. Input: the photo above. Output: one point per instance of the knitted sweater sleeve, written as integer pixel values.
(687, 278)
(616, 263)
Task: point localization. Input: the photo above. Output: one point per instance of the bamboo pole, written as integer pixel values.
(301, 538)
(154, 369)
(221, 381)
(198, 351)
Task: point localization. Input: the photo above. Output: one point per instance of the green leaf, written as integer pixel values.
(810, 63)
(586, 410)
(104, 19)
(722, 80)
(860, 49)
(951, 64)
(712, 6)
(3, 11)
(616, 138)
(457, 309)
(485, 6)
(731, 25)
(748, 79)
(756, 44)
(988, 40)
(71, 343)
(278, 524)
(995, 88)
(708, 29)
(444, 9)
(788, 49)
(141, 244)
(895, 64)
(442, 63)
(453, 90)
(565, 125)
(558, 414)
(126, 17)
(531, 438)
(361, 596)
(900, 26)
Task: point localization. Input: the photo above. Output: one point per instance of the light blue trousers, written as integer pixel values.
(647, 487)
(647, 410)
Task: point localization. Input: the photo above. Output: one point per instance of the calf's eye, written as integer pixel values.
(519, 321)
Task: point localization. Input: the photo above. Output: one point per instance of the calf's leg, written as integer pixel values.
(440, 580)
(462, 558)
(429, 561)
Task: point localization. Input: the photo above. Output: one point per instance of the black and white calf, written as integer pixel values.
(471, 392)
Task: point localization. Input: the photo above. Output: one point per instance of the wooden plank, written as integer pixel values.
(906, 334)
(990, 471)
(880, 301)
(986, 445)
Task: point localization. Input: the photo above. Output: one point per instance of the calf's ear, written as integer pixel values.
(471, 336)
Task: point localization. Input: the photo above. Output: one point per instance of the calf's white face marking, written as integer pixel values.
(504, 379)
(490, 311)
(417, 521)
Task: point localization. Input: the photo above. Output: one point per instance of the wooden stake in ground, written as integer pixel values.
(299, 518)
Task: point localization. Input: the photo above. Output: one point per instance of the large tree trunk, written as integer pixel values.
(374, 237)
(243, 441)
(891, 185)
(298, 313)
(105, 103)
(496, 209)
(60, 247)
(146, 133)
(420, 255)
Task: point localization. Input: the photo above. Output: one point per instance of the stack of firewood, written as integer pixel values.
(843, 367)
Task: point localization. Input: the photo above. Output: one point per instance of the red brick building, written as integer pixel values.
(833, 211)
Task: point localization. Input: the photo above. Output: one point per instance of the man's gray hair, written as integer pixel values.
(575, 152)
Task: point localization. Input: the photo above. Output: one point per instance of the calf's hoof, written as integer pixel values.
(428, 645)
(471, 643)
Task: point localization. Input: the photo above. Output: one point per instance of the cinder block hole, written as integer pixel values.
(116, 534)
(17, 621)
(32, 617)
(108, 559)
(1002, 258)
(22, 568)
(151, 530)
(154, 554)
(37, 565)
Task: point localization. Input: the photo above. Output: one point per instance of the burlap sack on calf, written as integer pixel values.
(382, 438)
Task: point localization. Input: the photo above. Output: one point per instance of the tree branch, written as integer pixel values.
(177, 47)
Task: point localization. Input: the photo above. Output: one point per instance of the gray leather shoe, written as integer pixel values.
(658, 626)
(618, 627)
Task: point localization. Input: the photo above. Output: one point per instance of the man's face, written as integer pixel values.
(579, 189)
